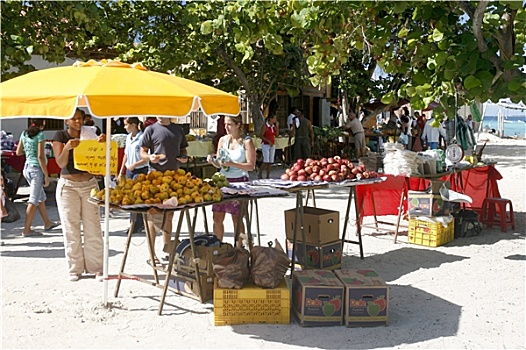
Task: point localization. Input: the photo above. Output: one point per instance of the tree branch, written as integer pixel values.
(237, 70)
(477, 18)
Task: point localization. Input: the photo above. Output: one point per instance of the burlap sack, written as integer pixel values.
(231, 268)
(269, 265)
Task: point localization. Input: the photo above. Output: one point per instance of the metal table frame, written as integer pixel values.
(248, 209)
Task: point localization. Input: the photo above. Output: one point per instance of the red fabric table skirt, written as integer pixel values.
(17, 163)
(478, 183)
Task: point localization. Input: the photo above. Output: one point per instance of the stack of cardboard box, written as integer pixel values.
(323, 246)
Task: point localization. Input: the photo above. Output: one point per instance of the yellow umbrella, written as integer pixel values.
(110, 89)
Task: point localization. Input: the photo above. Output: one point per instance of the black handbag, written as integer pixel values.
(466, 223)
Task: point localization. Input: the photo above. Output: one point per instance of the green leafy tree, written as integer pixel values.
(236, 46)
(53, 30)
(429, 50)
(435, 50)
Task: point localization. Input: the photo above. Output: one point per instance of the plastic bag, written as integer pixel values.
(269, 265)
(231, 268)
(403, 139)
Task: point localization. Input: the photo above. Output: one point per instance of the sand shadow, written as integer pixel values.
(57, 250)
(517, 257)
(407, 260)
(489, 236)
(412, 313)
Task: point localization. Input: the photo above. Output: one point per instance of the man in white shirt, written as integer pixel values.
(293, 116)
(430, 135)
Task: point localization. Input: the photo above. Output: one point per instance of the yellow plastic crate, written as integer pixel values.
(430, 234)
(252, 304)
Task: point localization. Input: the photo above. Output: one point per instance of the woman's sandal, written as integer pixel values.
(156, 262)
(54, 224)
(33, 234)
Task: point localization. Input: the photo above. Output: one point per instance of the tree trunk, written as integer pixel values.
(255, 112)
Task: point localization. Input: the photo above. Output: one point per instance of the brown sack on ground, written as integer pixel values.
(231, 268)
(269, 265)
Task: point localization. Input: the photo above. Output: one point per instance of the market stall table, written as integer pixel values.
(352, 194)
(200, 148)
(282, 143)
(297, 187)
(390, 197)
(191, 223)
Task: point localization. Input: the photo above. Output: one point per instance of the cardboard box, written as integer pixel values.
(186, 285)
(425, 204)
(207, 256)
(317, 298)
(366, 298)
(321, 225)
(252, 304)
(327, 256)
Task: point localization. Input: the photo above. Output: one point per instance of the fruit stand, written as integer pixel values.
(390, 197)
(245, 197)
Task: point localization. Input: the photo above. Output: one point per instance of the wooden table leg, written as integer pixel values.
(257, 221)
(400, 210)
(346, 219)
(205, 221)
(151, 248)
(125, 256)
(171, 261)
(298, 216)
(248, 228)
(374, 211)
(352, 193)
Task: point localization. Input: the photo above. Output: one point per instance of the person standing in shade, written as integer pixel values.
(469, 122)
(220, 131)
(292, 117)
(164, 147)
(240, 160)
(356, 129)
(84, 248)
(268, 133)
(32, 142)
(132, 163)
(88, 121)
(419, 125)
(303, 136)
(431, 134)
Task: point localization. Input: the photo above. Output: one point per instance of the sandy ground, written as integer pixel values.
(467, 294)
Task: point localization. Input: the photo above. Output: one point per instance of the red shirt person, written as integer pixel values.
(268, 133)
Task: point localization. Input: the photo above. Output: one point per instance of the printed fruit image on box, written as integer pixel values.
(317, 298)
(366, 298)
(327, 256)
(421, 203)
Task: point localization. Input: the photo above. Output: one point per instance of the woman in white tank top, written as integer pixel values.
(236, 156)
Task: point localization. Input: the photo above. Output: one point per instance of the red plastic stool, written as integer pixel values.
(493, 216)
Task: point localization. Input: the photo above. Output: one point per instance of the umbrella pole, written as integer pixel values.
(107, 212)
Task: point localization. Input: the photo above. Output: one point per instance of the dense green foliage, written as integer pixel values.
(429, 50)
